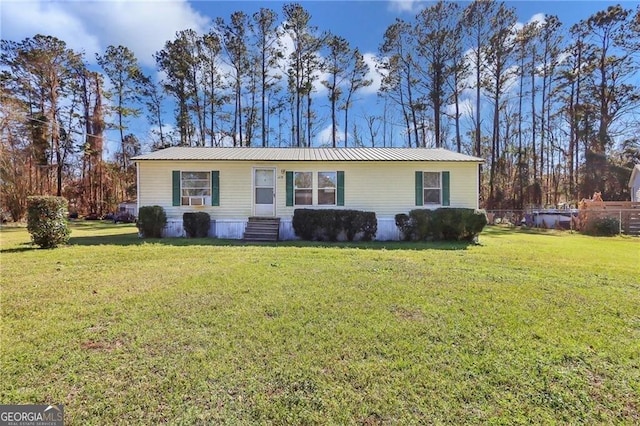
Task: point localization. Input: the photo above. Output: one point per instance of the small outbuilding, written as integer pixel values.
(236, 184)
(128, 207)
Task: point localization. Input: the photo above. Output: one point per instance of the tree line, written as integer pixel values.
(552, 110)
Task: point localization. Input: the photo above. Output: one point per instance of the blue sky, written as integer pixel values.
(364, 22)
(144, 25)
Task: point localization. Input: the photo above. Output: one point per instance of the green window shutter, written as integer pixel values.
(419, 189)
(215, 188)
(446, 192)
(340, 200)
(289, 189)
(176, 187)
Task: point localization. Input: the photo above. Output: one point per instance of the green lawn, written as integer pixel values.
(539, 327)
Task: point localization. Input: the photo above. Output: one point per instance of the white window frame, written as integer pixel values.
(195, 200)
(334, 188)
(296, 188)
(426, 188)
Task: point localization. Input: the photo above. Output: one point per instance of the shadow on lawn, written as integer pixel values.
(90, 224)
(24, 247)
(510, 230)
(132, 239)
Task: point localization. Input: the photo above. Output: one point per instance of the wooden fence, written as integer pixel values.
(627, 212)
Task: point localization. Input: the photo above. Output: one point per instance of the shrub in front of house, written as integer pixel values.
(46, 221)
(356, 222)
(604, 227)
(196, 224)
(304, 223)
(404, 225)
(476, 220)
(312, 224)
(458, 224)
(417, 225)
(449, 224)
(151, 221)
(330, 224)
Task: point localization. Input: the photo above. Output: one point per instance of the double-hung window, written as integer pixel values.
(315, 188)
(327, 185)
(303, 188)
(195, 188)
(433, 188)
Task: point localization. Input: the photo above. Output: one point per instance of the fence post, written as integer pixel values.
(620, 221)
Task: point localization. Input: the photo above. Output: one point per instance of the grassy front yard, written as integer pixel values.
(526, 327)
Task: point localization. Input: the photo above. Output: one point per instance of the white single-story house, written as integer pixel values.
(234, 184)
(634, 184)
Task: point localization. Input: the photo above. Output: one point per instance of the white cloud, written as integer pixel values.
(287, 42)
(466, 107)
(371, 60)
(539, 18)
(408, 6)
(324, 136)
(517, 27)
(142, 26)
(20, 20)
(288, 48)
(512, 81)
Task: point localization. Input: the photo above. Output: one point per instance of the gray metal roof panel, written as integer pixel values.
(307, 154)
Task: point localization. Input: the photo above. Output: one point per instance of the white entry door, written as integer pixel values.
(264, 192)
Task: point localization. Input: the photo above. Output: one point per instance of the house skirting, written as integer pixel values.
(233, 229)
(174, 228)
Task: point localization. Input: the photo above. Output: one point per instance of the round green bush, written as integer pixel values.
(151, 221)
(46, 221)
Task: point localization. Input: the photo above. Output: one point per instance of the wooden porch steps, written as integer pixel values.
(262, 229)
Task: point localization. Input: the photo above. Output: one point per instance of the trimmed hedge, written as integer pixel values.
(330, 224)
(196, 224)
(451, 224)
(46, 221)
(404, 224)
(151, 221)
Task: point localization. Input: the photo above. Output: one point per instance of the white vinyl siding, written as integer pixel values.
(386, 188)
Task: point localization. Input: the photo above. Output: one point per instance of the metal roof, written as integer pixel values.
(307, 154)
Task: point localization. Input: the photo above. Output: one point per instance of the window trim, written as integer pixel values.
(205, 199)
(335, 188)
(425, 189)
(445, 188)
(291, 188)
(296, 188)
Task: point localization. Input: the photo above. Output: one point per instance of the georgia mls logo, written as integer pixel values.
(31, 415)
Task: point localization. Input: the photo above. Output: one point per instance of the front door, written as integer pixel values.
(264, 192)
